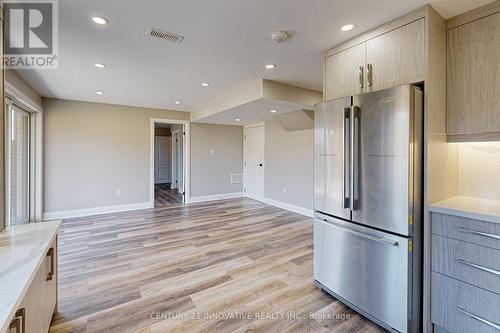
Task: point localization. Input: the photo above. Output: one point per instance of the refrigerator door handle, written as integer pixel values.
(346, 181)
(383, 240)
(355, 116)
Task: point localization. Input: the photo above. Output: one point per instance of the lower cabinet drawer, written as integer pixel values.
(459, 307)
(474, 264)
(468, 230)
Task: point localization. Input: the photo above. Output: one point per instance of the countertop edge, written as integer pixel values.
(11, 312)
(448, 207)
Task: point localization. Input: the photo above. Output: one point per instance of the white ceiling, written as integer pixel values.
(227, 43)
(254, 112)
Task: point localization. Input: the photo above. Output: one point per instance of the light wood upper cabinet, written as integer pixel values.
(397, 57)
(387, 60)
(473, 80)
(342, 72)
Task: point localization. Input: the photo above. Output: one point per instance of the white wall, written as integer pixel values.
(289, 164)
(92, 149)
(216, 153)
(479, 170)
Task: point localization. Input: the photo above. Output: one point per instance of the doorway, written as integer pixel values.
(254, 155)
(169, 162)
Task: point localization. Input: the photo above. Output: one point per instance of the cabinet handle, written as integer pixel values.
(361, 77)
(19, 322)
(484, 321)
(486, 269)
(369, 74)
(50, 254)
(474, 232)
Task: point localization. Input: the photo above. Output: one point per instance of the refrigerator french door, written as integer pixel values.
(367, 200)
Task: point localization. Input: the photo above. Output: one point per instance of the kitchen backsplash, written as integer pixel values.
(478, 165)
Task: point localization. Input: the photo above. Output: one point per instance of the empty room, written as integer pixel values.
(250, 166)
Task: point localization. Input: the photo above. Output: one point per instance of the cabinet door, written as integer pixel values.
(50, 289)
(397, 57)
(473, 82)
(40, 299)
(342, 72)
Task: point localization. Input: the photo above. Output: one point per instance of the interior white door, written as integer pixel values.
(163, 159)
(254, 161)
(179, 185)
(175, 171)
(180, 161)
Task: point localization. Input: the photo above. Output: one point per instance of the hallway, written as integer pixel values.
(165, 196)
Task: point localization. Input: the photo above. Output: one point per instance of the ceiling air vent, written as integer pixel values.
(168, 36)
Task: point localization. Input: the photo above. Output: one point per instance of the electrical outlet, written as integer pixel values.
(119, 192)
(285, 191)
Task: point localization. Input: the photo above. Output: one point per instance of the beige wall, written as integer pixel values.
(211, 172)
(479, 165)
(289, 164)
(92, 149)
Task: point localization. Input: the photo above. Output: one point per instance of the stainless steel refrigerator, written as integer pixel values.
(367, 202)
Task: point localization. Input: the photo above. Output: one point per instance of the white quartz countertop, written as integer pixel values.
(22, 250)
(469, 207)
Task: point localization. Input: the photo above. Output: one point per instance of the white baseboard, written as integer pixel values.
(66, 214)
(283, 205)
(221, 196)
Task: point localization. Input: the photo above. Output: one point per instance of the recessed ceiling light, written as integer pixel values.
(347, 27)
(177, 102)
(100, 20)
(205, 84)
(237, 120)
(273, 111)
(270, 66)
(99, 93)
(99, 65)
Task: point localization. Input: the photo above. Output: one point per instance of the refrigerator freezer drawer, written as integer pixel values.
(367, 268)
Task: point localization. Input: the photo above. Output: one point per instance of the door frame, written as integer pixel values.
(245, 128)
(186, 157)
(36, 187)
(175, 151)
(34, 161)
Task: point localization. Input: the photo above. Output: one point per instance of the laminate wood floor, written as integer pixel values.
(203, 267)
(165, 196)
